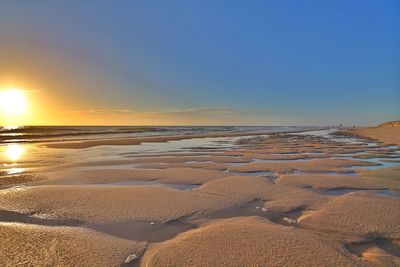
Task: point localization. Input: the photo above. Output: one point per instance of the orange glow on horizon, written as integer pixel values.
(32, 103)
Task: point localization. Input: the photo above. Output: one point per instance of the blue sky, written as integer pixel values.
(210, 62)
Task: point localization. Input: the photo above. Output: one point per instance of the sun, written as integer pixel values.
(13, 102)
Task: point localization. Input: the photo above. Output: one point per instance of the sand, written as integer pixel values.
(168, 175)
(386, 134)
(100, 204)
(314, 165)
(9, 180)
(329, 182)
(288, 199)
(391, 173)
(250, 241)
(378, 253)
(275, 200)
(357, 216)
(30, 245)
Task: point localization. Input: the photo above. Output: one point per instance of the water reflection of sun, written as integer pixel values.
(14, 152)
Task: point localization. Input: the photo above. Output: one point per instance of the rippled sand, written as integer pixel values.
(302, 199)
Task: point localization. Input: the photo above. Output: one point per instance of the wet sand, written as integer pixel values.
(140, 140)
(314, 198)
(387, 134)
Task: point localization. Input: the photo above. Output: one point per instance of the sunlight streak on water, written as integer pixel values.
(15, 170)
(14, 152)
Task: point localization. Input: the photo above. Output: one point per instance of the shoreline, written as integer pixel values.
(158, 139)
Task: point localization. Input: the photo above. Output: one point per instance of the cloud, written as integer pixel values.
(215, 111)
(109, 111)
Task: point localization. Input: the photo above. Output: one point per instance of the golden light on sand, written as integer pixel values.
(14, 152)
(13, 102)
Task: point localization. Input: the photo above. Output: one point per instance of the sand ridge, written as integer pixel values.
(167, 175)
(358, 216)
(329, 181)
(250, 241)
(99, 204)
(314, 165)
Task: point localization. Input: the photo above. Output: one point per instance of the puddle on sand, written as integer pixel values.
(388, 193)
(143, 231)
(249, 173)
(341, 172)
(268, 173)
(377, 163)
(235, 163)
(267, 160)
(382, 165)
(151, 183)
(333, 192)
(384, 244)
(124, 183)
(282, 160)
(391, 160)
(16, 217)
(132, 230)
(343, 191)
(256, 208)
(199, 161)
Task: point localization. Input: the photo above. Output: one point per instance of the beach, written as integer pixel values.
(199, 133)
(198, 196)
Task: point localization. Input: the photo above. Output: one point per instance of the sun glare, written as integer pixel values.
(14, 152)
(13, 102)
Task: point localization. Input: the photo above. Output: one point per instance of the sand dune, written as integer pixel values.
(248, 241)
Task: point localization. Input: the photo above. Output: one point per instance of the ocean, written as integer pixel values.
(31, 134)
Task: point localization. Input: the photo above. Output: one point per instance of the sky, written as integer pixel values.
(202, 62)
